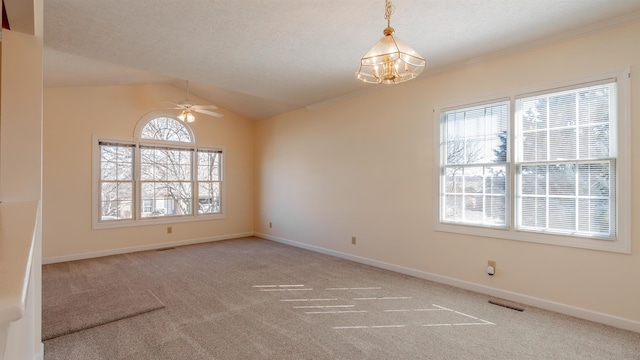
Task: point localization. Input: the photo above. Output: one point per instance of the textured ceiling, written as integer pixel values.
(259, 58)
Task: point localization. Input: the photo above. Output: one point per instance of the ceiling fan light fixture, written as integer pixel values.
(390, 60)
(190, 117)
(183, 115)
(187, 115)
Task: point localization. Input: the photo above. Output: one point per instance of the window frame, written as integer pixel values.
(622, 241)
(137, 142)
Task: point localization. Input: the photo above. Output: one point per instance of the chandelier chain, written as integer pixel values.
(388, 10)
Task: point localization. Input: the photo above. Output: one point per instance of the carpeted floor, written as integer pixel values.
(70, 311)
(256, 299)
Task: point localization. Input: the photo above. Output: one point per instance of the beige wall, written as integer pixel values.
(21, 117)
(367, 167)
(21, 170)
(73, 115)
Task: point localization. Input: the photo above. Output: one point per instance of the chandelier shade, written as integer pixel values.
(390, 60)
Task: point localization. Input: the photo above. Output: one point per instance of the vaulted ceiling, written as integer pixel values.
(259, 58)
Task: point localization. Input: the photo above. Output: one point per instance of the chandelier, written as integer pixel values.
(390, 60)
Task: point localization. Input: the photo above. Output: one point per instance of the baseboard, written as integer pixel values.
(581, 313)
(40, 354)
(90, 255)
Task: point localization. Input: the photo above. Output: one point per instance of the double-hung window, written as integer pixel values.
(474, 165)
(566, 161)
(549, 166)
(161, 176)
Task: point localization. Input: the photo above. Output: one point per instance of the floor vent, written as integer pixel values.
(165, 249)
(512, 307)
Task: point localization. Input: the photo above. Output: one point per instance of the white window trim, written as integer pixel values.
(622, 243)
(137, 221)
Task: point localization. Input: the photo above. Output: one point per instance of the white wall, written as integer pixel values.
(73, 115)
(367, 167)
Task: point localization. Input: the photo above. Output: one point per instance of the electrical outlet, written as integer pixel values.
(353, 240)
(270, 225)
(491, 264)
(169, 230)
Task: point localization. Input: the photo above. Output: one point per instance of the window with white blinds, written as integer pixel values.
(566, 161)
(550, 166)
(474, 165)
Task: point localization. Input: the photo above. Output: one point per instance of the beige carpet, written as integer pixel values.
(256, 299)
(71, 312)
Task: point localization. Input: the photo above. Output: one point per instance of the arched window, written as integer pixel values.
(161, 176)
(166, 129)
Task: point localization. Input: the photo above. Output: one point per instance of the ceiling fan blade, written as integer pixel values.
(206, 112)
(207, 106)
(177, 106)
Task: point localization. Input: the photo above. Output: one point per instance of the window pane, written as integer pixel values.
(594, 216)
(496, 209)
(593, 180)
(453, 208)
(594, 104)
(125, 191)
(473, 180)
(534, 179)
(475, 195)
(562, 214)
(208, 197)
(495, 181)
(476, 135)
(534, 212)
(165, 164)
(534, 146)
(166, 198)
(209, 166)
(453, 180)
(594, 141)
(562, 110)
(108, 170)
(116, 162)
(116, 201)
(124, 172)
(562, 144)
(534, 113)
(562, 179)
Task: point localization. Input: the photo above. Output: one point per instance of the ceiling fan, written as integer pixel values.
(188, 108)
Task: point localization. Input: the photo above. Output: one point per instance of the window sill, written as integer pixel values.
(97, 225)
(620, 245)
